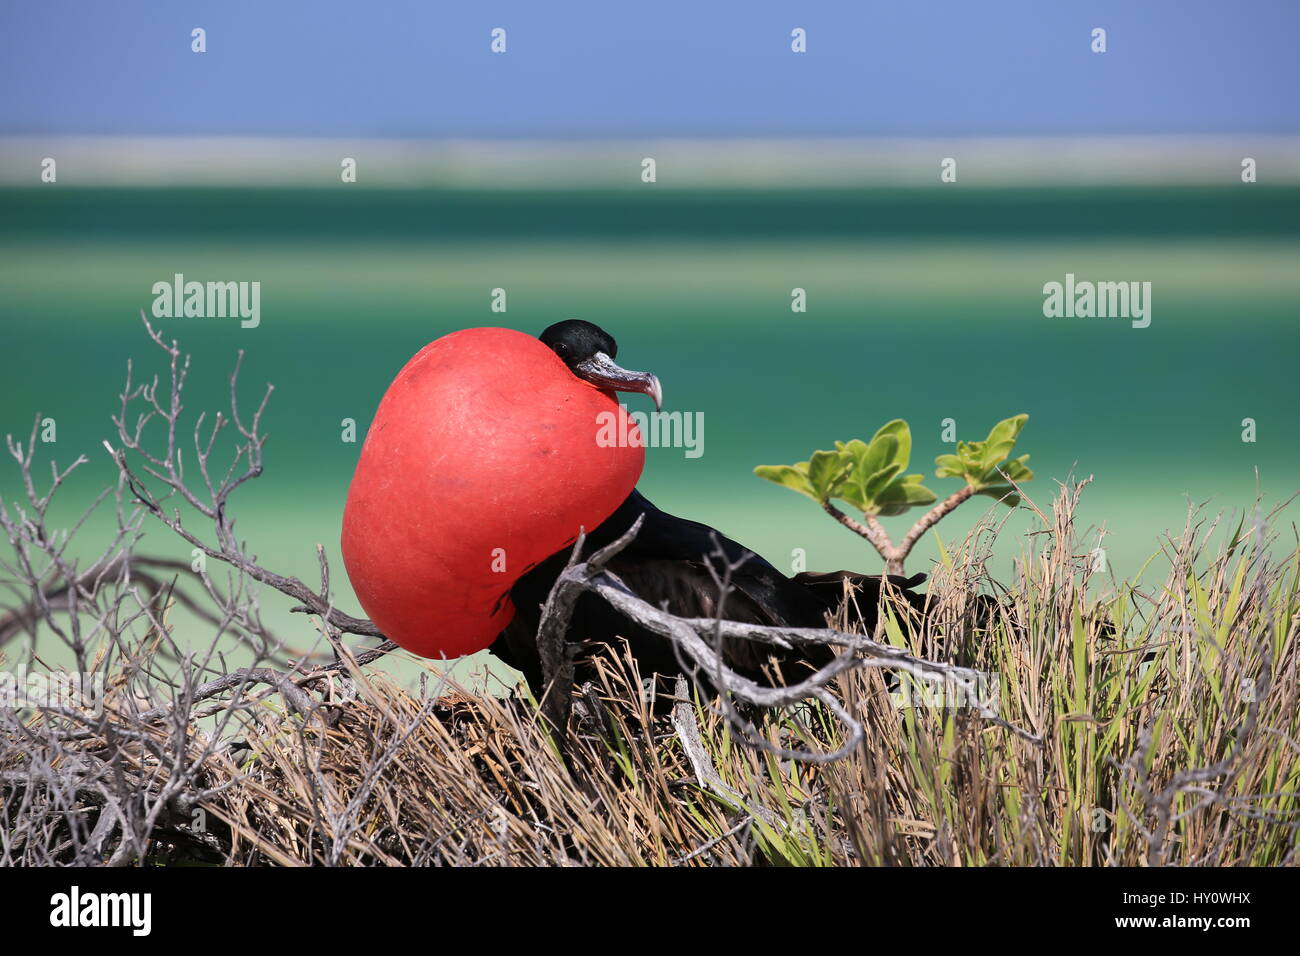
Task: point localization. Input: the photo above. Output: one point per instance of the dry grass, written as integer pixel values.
(1169, 716)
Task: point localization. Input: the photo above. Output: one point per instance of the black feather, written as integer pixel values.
(667, 565)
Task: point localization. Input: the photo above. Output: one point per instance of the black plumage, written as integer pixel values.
(667, 565)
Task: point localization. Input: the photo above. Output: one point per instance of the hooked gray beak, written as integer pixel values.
(601, 371)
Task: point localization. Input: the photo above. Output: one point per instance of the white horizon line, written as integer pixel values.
(741, 162)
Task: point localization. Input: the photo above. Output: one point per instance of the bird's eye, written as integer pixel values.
(561, 349)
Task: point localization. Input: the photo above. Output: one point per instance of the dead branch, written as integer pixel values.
(165, 467)
(690, 636)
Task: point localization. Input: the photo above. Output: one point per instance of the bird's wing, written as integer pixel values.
(670, 558)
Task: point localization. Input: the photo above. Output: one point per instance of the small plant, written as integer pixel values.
(870, 477)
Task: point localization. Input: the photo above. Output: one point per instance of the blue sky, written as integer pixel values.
(667, 68)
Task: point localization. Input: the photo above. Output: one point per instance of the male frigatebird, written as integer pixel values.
(667, 564)
(480, 467)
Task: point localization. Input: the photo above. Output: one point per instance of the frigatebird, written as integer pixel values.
(667, 564)
(483, 461)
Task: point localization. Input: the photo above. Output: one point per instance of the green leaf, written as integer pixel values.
(903, 494)
(898, 430)
(876, 456)
(854, 487)
(873, 465)
(852, 450)
(788, 476)
(998, 482)
(950, 466)
(877, 483)
(978, 461)
(867, 475)
(1016, 470)
(826, 469)
(853, 495)
(1002, 439)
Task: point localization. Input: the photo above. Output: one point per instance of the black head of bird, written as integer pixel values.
(589, 352)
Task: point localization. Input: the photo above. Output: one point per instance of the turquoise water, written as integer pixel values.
(925, 312)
